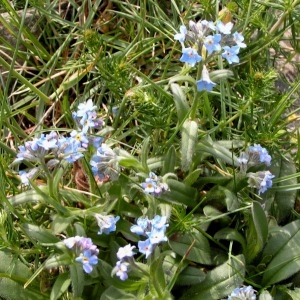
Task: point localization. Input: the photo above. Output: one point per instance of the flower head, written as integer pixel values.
(190, 56)
(239, 38)
(230, 54)
(88, 259)
(146, 247)
(121, 270)
(212, 43)
(261, 180)
(258, 154)
(224, 28)
(243, 293)
(181, 36)
(125, 252)
(205, 84)
(106, 224)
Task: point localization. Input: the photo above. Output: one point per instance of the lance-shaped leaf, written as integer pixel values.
(284, 246)
(188, 143)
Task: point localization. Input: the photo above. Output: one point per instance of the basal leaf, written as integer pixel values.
(194, 245)
(284, 246)
(40, 234)
(219, 282)
(61, 284)
(284, 201)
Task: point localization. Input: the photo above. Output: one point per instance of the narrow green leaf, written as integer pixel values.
(284, 200)
(61, 284)
(189, 133)
(182, 106)
(260, 222)
(169, 161)
(77, 279)
(192, 177)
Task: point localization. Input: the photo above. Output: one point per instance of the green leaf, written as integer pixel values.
(157, 278)
(199, 252)
(113, 293)
(189, 133)
(180, 193)
(192, 177)
(61, 284)
(284, 201)
(257, 231)
(230, 234)
(191, 276)
(284, 246)
(40, 234)
(265, 295)
(182, 106)
(169, 161)
(260, 222)
(77, 279)
(219, 282)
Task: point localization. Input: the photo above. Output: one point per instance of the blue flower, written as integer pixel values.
(208, 24)
(86, 107)
(48, 141)
(243, 293)
(261, 180)
(230, 54)
(88, 259)
(106, 224)
(69, 149)
(153, 185)
(141, 227)
(121, 270)
(212, 43)
(126, 251)
(146, 247)
(181, 36)
(258, 154)
(205, 84)
(190, 56)
(239, 38)
(105, 163)
(24, 177)
(224, 28)
(80, 138)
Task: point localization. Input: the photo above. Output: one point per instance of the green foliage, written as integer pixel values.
(221, 232)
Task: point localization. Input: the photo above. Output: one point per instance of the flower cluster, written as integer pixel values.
(154, 230)
(153, 185)
(125, 256)
(243, 293)
(50, 149)
(206, 39)
(86, 251)
(104, 163)
(256, 155)
(106, 223)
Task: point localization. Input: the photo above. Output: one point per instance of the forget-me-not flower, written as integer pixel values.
(181, 36)
(106, 223)
(190, 56)
(212, 43)
(261, 180)
(239, 40)
(230, 54)
(243, 293)
(205, 84)
(88, 259)
(224, 28)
